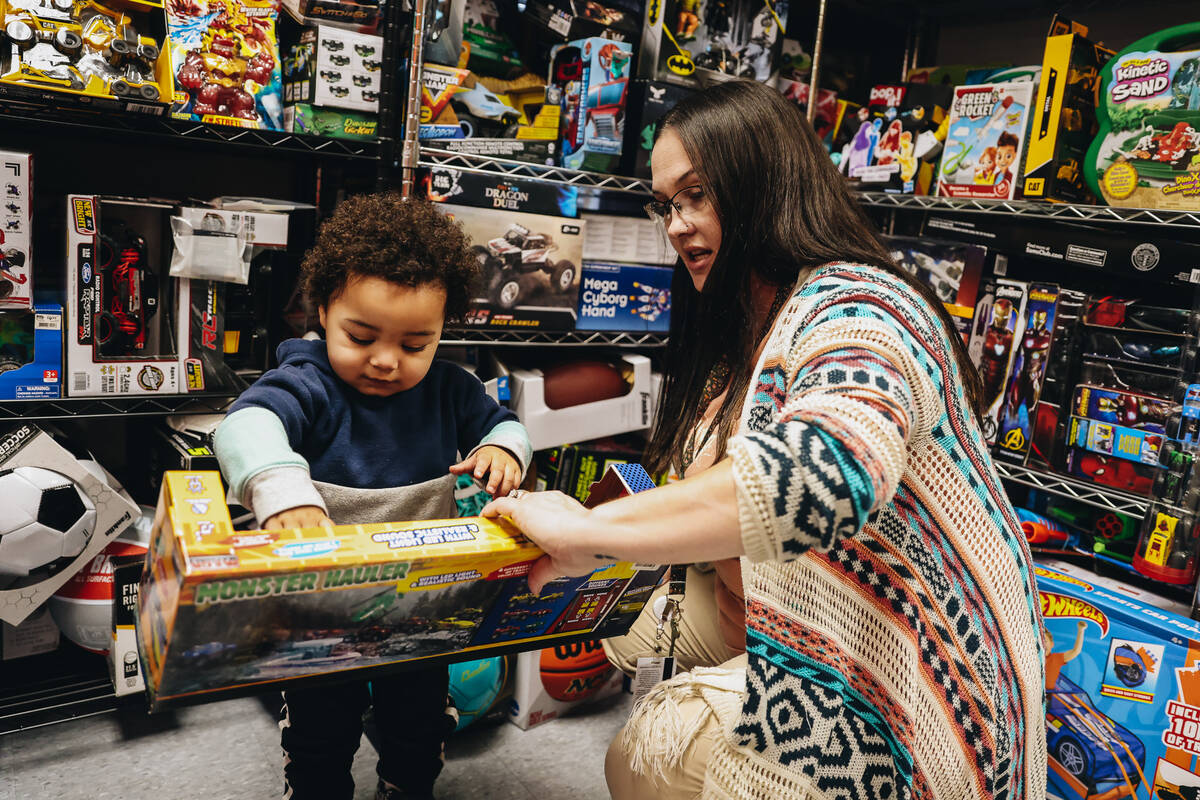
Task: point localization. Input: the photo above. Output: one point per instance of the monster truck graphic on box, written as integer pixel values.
(519, 252)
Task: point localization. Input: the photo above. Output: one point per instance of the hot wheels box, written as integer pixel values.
(985, 140)
(225, 611)
(1122, 689)
(530, 267)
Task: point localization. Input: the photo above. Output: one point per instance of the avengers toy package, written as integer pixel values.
(225, 612)
(1147, 151)
(1028, 371)
(226, 59)
(985, 140)
(999, 315)
(1122, 689)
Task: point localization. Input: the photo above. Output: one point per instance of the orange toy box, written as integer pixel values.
(225, 612)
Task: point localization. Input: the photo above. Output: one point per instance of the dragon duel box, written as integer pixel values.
(225, 613)
(1122, 689)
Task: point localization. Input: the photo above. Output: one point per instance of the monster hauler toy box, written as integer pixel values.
(1147, 151)
(16, 236)
(698, 42)
(531, 265)
(108, 56)
(224, 611)
(984, 141)
(226, 60)
(55, 516)
(1122, 689)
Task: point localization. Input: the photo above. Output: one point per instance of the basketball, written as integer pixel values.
(474, 687)
(574, 672)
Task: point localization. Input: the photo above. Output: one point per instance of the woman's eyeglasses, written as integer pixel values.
(688, 202)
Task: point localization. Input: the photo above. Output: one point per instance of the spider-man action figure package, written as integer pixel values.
(225, 55)
(1122, 689)
(119, 338)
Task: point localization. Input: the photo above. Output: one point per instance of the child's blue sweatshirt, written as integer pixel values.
(355, 440)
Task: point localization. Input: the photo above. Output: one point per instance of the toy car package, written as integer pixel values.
(225, 611)
(1122, 689)
(1147, 151)
(531, 266)
(226, 59)
(16, 234)
(698, 42)
(999, 315)
(1028, 371)
(332, 68)
(984, 141)
(896, 135)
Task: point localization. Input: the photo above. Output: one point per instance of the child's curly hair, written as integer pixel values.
(405, 242)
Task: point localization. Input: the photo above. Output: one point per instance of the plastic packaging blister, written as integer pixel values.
(213, 249)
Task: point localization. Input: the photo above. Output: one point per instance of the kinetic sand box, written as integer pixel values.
(226, 612)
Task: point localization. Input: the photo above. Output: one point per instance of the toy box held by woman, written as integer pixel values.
(1122, 689)
(224, 612)
(1147, 151)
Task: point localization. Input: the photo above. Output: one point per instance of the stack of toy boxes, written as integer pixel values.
(331, 83)
(1064, 121)
(1122, 689)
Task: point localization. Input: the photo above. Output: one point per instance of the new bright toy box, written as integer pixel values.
(1147, 152)
(227, 612)
(1122, 689)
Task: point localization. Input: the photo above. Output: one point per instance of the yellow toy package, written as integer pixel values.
(226, 612)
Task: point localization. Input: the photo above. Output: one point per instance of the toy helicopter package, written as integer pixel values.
(224, 612)
(1147, 151)
(226, 59)
(1122, 689)
(984, 141)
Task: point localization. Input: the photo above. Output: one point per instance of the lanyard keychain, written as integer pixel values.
(667, 609)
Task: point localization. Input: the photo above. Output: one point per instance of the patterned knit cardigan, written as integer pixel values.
(892, 619)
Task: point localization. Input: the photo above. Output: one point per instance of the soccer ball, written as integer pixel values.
(46, 521)
(474, 687)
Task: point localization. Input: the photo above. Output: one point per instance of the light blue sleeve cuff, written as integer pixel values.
(512, 436)
(279, 489)
(251, 441)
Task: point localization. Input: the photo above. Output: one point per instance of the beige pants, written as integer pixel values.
(699, 645)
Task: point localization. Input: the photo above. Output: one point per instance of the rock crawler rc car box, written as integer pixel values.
(1122, 689)
(224, 611)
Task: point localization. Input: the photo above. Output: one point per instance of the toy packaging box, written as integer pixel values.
(985, 138)
(1122, 689)
(565, 20)
(648, 102)
(361, 16)
(446, 185)
(593, 78)
(999, 316)
(1028, 372)
(1050, 415)
(1145, 154)
(224, 611)
(490, 50)
(550, 682)
(896, 138)
(335, 123)
(624, 297)
(332, 68)
(531, 265)
(629, 240)
(109, 56)
(698, 42)
(573, 468)
(31, 347)
(951, 269)
(16, 236)
(117, 286)
(124, 665)
(226, 60)
(1064, 119)
(55, 518)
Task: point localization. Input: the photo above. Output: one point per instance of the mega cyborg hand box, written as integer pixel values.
(228, 612)
(1122, 689)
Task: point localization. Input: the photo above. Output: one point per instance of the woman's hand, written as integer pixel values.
(298, 517)
(561, 526)
(502, 470)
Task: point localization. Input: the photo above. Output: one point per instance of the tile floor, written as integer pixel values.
(230, 751)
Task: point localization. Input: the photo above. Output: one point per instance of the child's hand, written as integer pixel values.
(298, 517)
(501, 469)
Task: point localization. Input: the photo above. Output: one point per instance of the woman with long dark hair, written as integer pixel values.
(873, 593)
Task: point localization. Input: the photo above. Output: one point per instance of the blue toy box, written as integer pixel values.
(624, 297)
(593, 75)
(34, 342)
(1122, 689)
